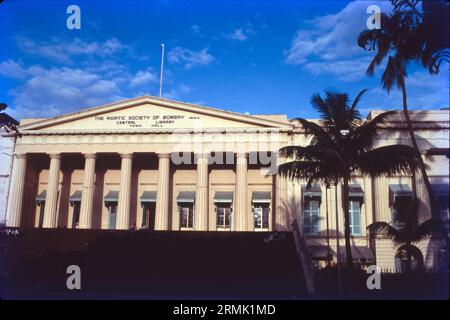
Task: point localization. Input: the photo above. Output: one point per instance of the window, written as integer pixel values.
(41, 214)
(40, 202)
(355, 217)
(261, 216)
(403, 264)
(112, 216)
(76, 214)
(223, 216)
(400, 202)
(311, 217)
(186, 215)
(148, 216)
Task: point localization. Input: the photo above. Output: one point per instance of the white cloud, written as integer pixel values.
(64, 51)
(240, 34)
(46, 92)
(177, 92)
(195, 29)
(12, 69)
(327, 44)
(332, 36)
(188, 58)
(344, 70)
(424, 91)
(143, 78)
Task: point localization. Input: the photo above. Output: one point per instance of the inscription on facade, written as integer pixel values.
(139, 121)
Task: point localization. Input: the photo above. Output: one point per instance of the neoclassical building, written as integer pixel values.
(165, 165)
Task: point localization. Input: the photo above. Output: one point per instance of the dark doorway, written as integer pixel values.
(76, 214)
(41, 214)
(148, 216)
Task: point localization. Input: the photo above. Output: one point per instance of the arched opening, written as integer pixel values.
(408, 258)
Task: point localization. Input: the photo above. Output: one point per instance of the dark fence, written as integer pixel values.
(150, 264)
(393, 285)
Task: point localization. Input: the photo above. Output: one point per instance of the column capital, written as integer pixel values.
(241, 155)
(90, 155)
(20, 155)
(164, 155)
(54, 155)
(126, 155)
(202, 155)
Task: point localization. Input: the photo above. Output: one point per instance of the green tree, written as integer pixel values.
(342, 144)
(406, 231)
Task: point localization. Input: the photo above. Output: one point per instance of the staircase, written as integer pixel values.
(156, 265)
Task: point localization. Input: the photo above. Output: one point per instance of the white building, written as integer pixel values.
(6, 157)
(116, 166)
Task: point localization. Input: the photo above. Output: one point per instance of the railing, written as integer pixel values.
(305, 259)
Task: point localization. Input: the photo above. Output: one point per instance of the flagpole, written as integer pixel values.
(162, 68)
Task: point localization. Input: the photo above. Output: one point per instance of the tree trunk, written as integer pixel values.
(345, 198)
(434, 203)
(435, 212)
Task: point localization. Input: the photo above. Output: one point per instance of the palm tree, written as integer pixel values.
(430, 23)
(405, 231)
(6, 121)
(340, 144)
(402, 39)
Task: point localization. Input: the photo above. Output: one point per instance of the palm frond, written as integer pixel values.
(317, 132)
(377, 39)
(363, 137)
(429, 227)
(338, 105)
(389, 76)
(322, 107)
(388, 160)
(312, 152)
(383, 228)
(358, 98)
(300, 169)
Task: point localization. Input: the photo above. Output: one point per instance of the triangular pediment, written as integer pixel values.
(150, 113)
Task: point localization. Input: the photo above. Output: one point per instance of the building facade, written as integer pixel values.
(7, 141)
(165, 165)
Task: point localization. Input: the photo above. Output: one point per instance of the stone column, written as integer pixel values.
(201, 194)
(87, 195)
(240, 216)
(162, 195)
(123, 206)
(368, 204)
(281, 201)
(51, 200)
(16, 190)
(381, 199)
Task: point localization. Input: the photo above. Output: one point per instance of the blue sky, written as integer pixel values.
(259, 57)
